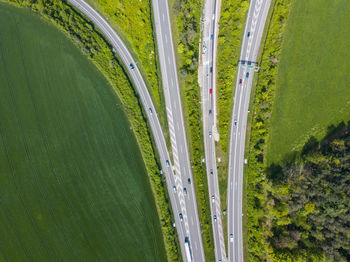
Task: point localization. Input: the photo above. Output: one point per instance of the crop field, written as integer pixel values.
(73, 185)
(313, 83)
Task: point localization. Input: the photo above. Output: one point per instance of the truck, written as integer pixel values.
(188, 249)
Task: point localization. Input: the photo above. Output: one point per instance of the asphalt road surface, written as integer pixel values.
(255, 24)
(182, 166)
(210, 32)
(188, 225)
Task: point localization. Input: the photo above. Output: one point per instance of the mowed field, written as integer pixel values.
(313, 83)
(73, 186)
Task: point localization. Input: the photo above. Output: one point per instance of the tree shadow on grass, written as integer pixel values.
(274, 171)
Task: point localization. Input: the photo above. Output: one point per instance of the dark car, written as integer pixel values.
(212, 36)
(240, 81)
(132, 66)
(247, 75)
(209, 111)
(211, 171)
(185, 191)
(248, 34)
(215, 218)
(180, 215)
(189, 181)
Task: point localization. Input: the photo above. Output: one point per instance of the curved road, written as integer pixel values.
(171, 179)
(255, 24)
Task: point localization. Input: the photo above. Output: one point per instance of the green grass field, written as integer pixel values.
(73, 186)
(313, 83)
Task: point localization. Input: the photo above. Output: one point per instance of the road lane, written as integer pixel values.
(175, 118)
(255, 24)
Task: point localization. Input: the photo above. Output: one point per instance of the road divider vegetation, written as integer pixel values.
(90, 41)
(186, 14)
(133, 21)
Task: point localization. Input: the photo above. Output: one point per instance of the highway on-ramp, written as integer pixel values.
(210, 32)
(257, 14)
(174, 184)
(182, 165)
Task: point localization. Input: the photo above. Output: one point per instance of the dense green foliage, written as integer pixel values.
(299, 212)
(133, 18)
(82, 33)
(312, 84)
(232, 20)
(258, 221)
(188, 15)
(73, 183)
(310, 203)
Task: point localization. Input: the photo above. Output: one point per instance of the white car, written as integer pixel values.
(213, 198)
(185, 191)
(231, 237)
(150, 111)
(215, 218)
(174, 189)
(209, 133)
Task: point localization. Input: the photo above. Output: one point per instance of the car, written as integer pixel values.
(248, 34)
(247, 75)
(209, 111)
(150, 111)
(211, 69)
(181, 217)
(174, 187)
(132, 66)
(231, 237)
(185, 191)
(209, 133)
(213, 198)
(211, 171)
(215, 218)
(167, 163)
(210, 91)
(212, 36)
(189, 180)
(240, 81)
(235, 122)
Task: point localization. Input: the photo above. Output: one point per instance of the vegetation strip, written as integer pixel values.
(232, 22)
(187, 15)
(92, 44)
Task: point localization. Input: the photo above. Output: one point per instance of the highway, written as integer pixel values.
(182, 165)
(257, 14)
(188, 224)
(210, 33)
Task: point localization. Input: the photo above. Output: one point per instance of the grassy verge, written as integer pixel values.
(82, 33)
(258, 222)
(232, 21)
(133, 20)
(186, 32)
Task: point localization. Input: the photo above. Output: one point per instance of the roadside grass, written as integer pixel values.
(133, 21)
(73, 183)
(313, 84)
(232, 22)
